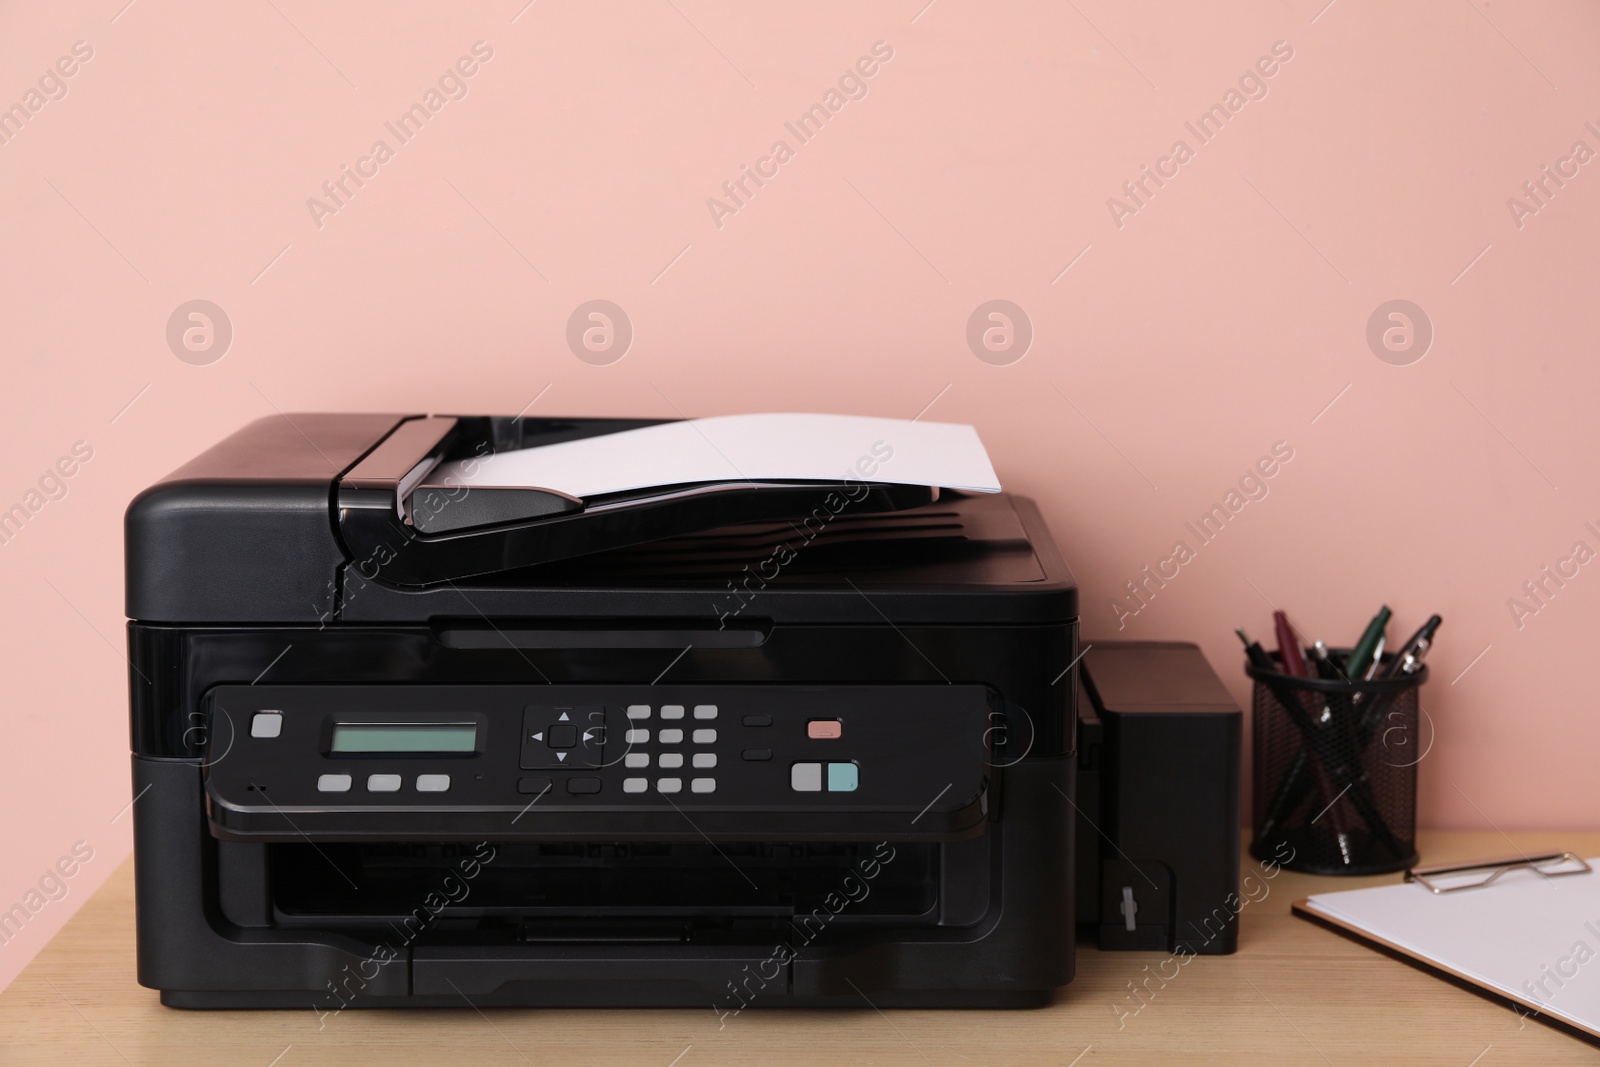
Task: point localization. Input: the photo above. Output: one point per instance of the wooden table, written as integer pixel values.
(1294, 993)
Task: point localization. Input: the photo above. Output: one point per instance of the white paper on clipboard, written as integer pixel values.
(1528, 936)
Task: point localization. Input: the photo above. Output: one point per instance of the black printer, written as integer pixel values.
(737, 745)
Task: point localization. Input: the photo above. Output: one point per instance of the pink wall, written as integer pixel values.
(1227, 313)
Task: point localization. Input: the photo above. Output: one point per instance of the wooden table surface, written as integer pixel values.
(1294, 993)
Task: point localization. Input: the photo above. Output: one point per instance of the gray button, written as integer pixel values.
(636, 737)
(806, 777)
(704, 785)
(672, 711)
(670, 760)
(670, 785)
(638, 711)
(433, 783)
(705, 711)
(671, 737)
(333, 783)
(635, 760)
(705, 737)
(635, 785)
(383, 783)
(266, 724)
(704, 760)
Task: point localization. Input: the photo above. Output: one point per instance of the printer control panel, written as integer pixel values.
(354, 762)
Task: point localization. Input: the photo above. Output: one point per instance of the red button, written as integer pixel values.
(824, 729)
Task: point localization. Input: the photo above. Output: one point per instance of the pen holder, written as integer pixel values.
(1336, 771)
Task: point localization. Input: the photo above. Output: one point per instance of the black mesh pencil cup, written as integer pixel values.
(1336, 771)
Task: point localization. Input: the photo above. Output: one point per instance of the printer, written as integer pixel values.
(398, 743)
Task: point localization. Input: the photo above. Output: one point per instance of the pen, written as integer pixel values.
(1409, 657)
(1366, 650)
(1294, 661)
(1377, 659)
(1406, 661)
(1255, 653)
(1292, 791)
(1343, 756)
(1294, 665)
(1326, 668)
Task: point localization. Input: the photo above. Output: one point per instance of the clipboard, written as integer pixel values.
(1538, 914)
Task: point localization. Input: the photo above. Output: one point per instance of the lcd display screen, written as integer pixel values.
(383, 738)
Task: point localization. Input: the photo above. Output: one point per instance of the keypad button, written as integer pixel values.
(562, 735)
(635, 760)
(757, 720)
(671, 737)
(638, 711)
(705, 711)
(705, 760)
(433, 783)
(705, 737)
(670, 760)
(383, 783)
(333, 783)
(843, 777)
(758, 753)
(672, 711)
(533, 786)
(669, 785)
(703, 785)
(824, 729)
(583, 785)
(637, 737)
(806, 777)
(635, 785)
(266, 724)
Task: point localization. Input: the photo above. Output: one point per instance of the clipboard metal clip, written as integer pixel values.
(1549, 865)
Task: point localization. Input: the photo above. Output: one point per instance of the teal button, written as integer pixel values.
(843, 777)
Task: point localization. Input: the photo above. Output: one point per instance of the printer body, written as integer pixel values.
(397, 743)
